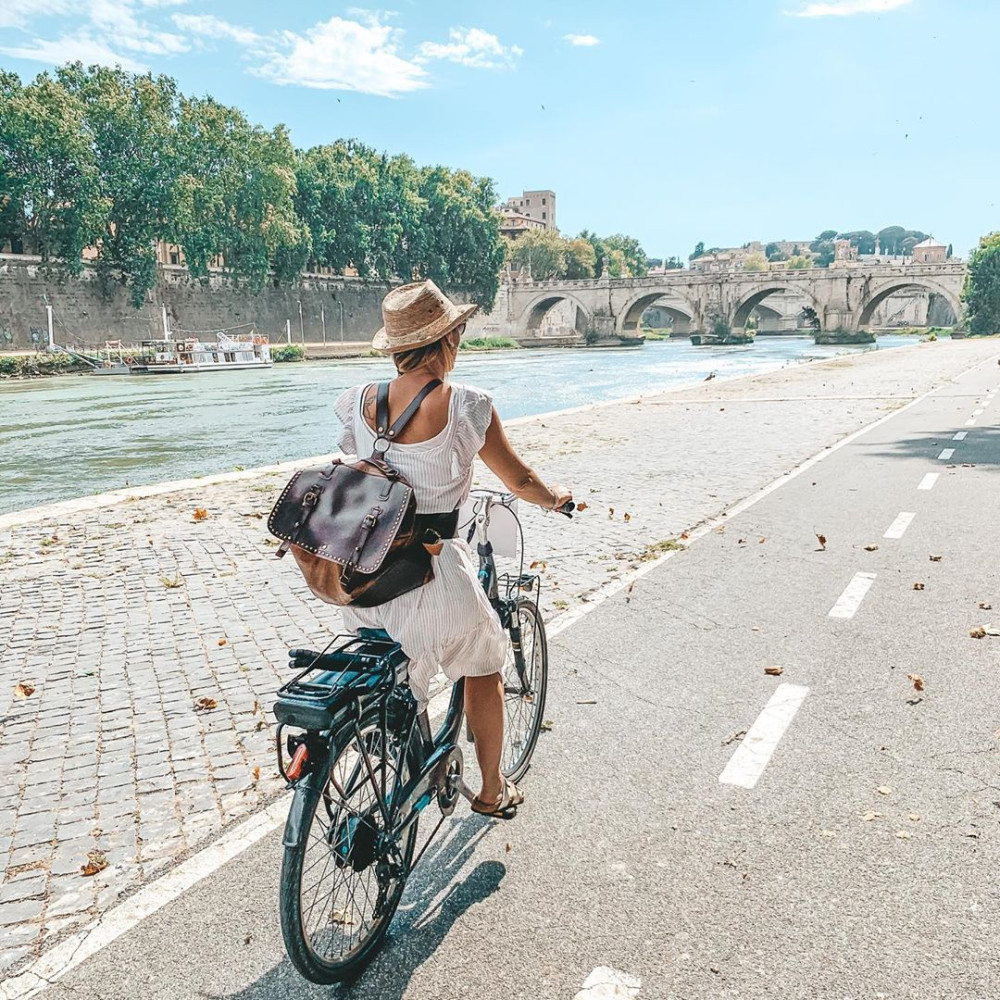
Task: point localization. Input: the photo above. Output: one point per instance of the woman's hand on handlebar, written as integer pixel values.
(560, 496)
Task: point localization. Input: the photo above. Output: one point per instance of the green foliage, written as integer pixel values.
(43, 363)
(755, 262)
(633, 256)
(614, 263)
(861, 239)
(540, 252)
(898, 241)
(489, 344)
(981, 294)
(719, 327)
(799, 263)
(287, 352)
(827, 234)
(699, 251)
(116, 161)
(581, 259)
(591, 337)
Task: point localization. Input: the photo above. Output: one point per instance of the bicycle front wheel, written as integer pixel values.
(339, 886)
(524, 695)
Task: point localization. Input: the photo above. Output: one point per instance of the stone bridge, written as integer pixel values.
(841, 297)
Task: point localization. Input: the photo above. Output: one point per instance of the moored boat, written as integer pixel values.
(230, 352)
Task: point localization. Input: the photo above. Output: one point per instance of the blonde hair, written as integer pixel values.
(440, 352)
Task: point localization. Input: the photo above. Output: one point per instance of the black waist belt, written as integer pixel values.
(444, 525)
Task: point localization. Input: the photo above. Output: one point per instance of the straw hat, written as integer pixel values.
(416, 315)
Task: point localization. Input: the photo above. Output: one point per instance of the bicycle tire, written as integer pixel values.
(301, 950)
(515, 765)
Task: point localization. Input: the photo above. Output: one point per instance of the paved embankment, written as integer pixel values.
(123, 613)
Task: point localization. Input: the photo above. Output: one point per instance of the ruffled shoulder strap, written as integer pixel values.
(345, 409)
(473, 413)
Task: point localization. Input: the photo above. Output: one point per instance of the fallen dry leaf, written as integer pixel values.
(611, 513)
(222, 642)
(587, 701)
(628, 591)
(720, 529)
(628, 517)
(581, 507)
(935, 558)
(915, 817)
(205, 704)
(822, 541)
(741, 541)
(685, 535)
(761, 540)
(256, 774)
(738, 735)
(884, 790)
(869, 816)
(774, 671)
(871, 548)
(985, 606)
(754, 628)
(342, 917)
(918, 681)
(509, 848)
(200, 514)
(827, 833)
(918, 586)
(546, 725)
(22, 691)
(96, 862)
(903, 834)
(978, 632)
(248, 939)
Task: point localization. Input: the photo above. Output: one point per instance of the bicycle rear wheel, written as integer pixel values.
(339, 890)
(524, 699)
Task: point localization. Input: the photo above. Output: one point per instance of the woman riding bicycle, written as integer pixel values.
(447, 623)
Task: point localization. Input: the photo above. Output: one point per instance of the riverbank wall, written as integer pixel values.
(319, 310)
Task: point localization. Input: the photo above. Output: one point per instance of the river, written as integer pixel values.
(75, 435)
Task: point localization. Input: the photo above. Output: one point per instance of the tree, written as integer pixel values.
(674, 264)
(799, 263)
(598, 247)
(827, 234)
(632, 253)
(461, 246)
(615, 263)
(233, 196)
(774, 253)
(49, 198)
(129, 122)
(541, 252)
(755, 262)
(861, 239)
(948, 255)
(581, 259)
(699, 251)
(981, 294)
(891, 239)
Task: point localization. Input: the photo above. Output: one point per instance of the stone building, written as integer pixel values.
(515, 224)
(537, 205)
(930, 252)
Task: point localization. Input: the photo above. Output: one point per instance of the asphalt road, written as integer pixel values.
(862, 864)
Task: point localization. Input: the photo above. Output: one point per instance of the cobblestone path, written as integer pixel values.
(122, 613)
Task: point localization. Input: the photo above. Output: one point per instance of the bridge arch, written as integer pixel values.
(875, 298)
(534, 313)
(682, 313)
(748, 303)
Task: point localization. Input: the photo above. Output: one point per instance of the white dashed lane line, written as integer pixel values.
(946, 454)
(751, 757)
(978, 413)
(898, 527)
(960, 436)
(927, 483)
(854, 593)
(971, 422)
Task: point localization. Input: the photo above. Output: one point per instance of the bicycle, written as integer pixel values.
(364, 765)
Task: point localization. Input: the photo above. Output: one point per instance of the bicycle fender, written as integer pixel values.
(297, 823)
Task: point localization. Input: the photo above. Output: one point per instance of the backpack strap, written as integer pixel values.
(384, 434)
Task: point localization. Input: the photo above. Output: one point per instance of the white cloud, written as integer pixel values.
(847, 8)
(582, 40)
(71, 48)
(16, 13)
(211, 26)
(340, 55)
(472, 47)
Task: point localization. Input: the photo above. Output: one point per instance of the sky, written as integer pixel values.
(675, 121)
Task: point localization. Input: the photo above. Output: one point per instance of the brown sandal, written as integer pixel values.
(505, 807)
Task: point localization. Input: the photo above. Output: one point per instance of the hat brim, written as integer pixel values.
(380, 342)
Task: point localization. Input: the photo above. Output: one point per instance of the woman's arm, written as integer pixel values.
(512, 471)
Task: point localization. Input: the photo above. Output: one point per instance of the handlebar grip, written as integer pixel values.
(567, 508)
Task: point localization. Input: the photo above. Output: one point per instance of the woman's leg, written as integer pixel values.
(484, 709)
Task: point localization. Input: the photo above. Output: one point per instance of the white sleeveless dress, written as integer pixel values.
(449, 623)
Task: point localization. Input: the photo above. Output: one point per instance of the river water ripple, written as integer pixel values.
(72, 436)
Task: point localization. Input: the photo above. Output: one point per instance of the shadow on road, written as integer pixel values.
(981, 447)
(432, 903)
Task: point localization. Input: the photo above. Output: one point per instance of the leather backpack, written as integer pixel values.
(353, 528)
